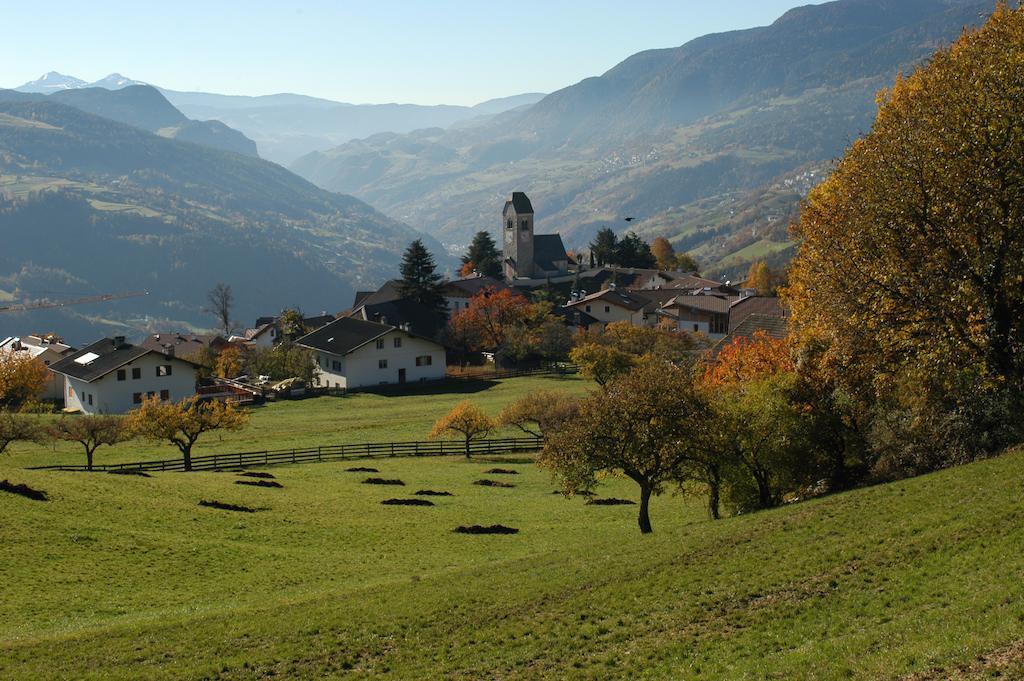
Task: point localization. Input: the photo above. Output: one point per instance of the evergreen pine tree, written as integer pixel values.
(604, 246)
(483, 253)
(420, 282)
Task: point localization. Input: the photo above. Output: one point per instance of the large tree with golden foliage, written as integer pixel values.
(22, 377)
(183, 423)
(603, 355)
(912, 252)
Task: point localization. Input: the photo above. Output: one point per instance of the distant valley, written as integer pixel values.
(91, 205)
(287, 126)
(711, 143)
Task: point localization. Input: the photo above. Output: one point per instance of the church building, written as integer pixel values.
(528, 255)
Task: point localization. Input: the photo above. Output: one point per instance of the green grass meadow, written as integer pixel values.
(124, 577)
(359, 417)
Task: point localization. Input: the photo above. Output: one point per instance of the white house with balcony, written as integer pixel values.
(111, 376)
(355, 353)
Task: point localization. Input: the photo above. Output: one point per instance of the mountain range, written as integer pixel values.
(287, 126)
(92, 205)
(711, 144)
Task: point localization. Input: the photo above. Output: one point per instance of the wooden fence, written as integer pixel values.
(276, 457)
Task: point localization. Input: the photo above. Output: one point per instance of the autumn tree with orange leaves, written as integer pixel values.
(909, 279)
(22, 378)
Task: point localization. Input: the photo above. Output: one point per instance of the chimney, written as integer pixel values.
(169, 351)
(119, 342)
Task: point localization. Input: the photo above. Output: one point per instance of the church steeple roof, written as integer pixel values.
(521, 203)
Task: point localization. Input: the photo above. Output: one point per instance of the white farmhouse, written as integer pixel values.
(354, 353)
(112, 377)
(46, 349)
(611, 305)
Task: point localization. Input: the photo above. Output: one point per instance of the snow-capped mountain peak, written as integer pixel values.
(52, 82)
(115, 81)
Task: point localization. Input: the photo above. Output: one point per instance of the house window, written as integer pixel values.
(424, 361)
(90, 399)
(165, 395)
(122, 374)
(607, 308)
(510, 224)
(136, 373)
(380, 343)
(335, 365)
(719, 324)
(163, 370)
(382, 364)
(588, 308)
(151, 394)
(136, 398)
(525, 225)
(398, 342)
(696, 327)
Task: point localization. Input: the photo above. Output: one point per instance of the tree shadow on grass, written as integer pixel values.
(459, 387)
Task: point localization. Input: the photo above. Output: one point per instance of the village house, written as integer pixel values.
(112, 376)
(715, 314)
(192, 347)
(615, 305)
(458, 292)
(47, 349)
(355, 353)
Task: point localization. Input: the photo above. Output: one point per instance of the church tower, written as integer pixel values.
(517, 229)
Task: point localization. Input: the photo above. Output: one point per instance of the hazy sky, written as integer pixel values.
(424, 51)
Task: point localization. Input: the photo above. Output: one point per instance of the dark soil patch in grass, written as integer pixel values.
(502, 471)
(610, 502)
(229, 507)
(23, 490)
(407, 502)
(382, 481)
(257, 474)
(490, 529)
(259, 483)
(130, 471)
(432, 493)
(493, 483)
(506, 460)
(361, 469)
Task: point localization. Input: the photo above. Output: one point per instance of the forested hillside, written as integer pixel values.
(93, 205)
(670, 137)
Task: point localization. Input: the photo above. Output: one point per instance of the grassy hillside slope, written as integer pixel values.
(319, 421)
(125, 577)
(125, 209)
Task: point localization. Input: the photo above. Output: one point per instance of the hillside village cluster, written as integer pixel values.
(389, 339)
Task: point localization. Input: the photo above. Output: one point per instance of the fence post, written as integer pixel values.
(319, 456)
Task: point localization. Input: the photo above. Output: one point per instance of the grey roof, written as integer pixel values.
(470, 286)
(183, 344)
(422, 321)
(704, 303)
(572, 316)
(764, 305)
(110, 355)
(520, 203)
(344, 335)
(547, 250)
(630, 300)
(776, 327)
(389, 291)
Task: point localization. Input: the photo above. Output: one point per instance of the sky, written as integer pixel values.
(423, 51)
